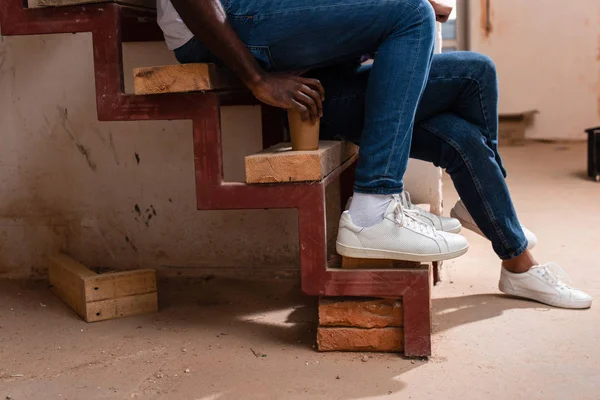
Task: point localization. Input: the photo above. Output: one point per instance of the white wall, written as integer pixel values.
(548, 58)
(70, 181)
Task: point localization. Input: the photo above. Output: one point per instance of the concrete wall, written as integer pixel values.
(121, 194)
(117, 194)
(548, 58)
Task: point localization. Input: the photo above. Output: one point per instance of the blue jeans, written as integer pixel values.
(441, 109)
(456, 127)
(290, 35)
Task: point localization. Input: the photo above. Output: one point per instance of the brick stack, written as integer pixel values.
(353, 324)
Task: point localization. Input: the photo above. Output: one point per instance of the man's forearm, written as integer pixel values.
(208, 22)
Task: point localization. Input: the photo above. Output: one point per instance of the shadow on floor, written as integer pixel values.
(451, 312)
(273, 315)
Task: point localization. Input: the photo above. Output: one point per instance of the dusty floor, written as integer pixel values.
(486, 346)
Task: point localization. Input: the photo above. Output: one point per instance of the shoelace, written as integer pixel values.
(409, 207)
(404, 217)
(407, 203)
(555, 275)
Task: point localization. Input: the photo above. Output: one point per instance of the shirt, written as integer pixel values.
(175, 32)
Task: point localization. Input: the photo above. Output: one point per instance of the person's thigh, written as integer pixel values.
(345, 85)
(298, 34)
(464, 84)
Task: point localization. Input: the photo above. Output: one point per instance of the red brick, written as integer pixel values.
(358, 313)
(357, 339)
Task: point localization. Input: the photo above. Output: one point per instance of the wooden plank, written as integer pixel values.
(122, 307)
(357, 339)
(280, 164)
(364, 263)
(360, 313)
(182, 78)
(66, 278)
(119, 284)
(151, 4)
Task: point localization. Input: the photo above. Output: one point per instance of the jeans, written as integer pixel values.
(456, 127)
(288, 35)
(442, 109)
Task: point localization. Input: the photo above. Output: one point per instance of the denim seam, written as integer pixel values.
(467, 162)
(390, 191)
(392, 153)
(520, 250)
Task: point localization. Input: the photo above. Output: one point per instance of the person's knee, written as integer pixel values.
(409, 13)
(483, 64)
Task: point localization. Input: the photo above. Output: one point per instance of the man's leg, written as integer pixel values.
(463, 149)
(303, 34)
(462, 90)
(289, 35)
(457, 83)
(459, 147)
(461, 137)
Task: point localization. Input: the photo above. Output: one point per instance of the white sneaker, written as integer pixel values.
(441, 223)
(400, 236)
(542, 283)
(446, 224)
(459, 211)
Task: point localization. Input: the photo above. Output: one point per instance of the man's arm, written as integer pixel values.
(208, 22)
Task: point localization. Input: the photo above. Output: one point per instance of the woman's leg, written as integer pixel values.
(456, 145)
(460, 104)
(463, 148)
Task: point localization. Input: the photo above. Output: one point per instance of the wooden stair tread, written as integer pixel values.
(280, 164)
(183, 78)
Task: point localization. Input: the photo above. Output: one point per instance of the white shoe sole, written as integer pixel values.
(474, 228)
(541, 298)
(356, 252)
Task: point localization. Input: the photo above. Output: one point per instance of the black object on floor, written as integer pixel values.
(594, 153)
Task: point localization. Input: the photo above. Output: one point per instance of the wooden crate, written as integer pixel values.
(512, 127)
(98, 297)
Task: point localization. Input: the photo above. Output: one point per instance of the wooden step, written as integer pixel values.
(279, 164)
(183, 78)
(364, 263)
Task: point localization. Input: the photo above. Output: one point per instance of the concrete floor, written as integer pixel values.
(486, 346)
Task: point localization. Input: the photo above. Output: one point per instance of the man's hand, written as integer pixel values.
(289, 91)
(442, 10)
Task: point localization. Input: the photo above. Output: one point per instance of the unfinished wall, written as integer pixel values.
(121, 194)
(548, 58)
(118, 194)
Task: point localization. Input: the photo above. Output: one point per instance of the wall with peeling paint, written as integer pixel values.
(548, 58)
(117, 194)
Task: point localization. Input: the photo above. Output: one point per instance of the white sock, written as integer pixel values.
(368, 209)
